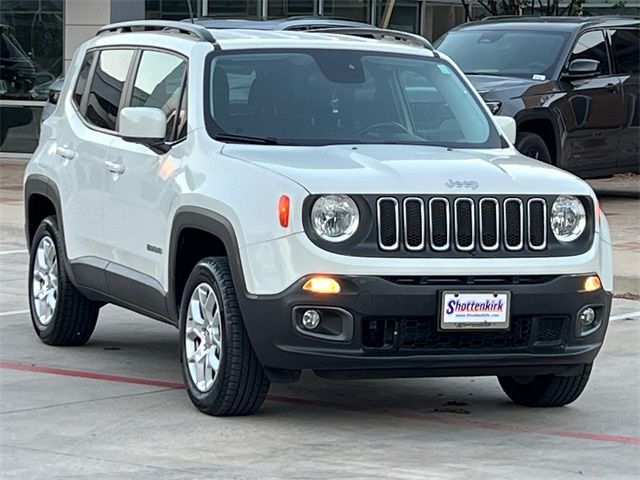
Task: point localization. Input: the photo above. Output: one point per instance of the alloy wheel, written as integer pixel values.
(45, 281)
(203, 337)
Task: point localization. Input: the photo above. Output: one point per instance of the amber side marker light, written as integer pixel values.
(321, 285)
(592, 283)
(283, 211)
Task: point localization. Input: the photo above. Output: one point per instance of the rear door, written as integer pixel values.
(594, 112)
(625, 45)
(84, 147)
(138, 194)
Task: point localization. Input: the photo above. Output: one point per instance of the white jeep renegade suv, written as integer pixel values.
(340, 201)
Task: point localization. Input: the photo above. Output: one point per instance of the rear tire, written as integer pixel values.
(545, 390)
(62, 316)
(533, 146)
(220, 368)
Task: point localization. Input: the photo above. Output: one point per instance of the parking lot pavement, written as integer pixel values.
(115, 409)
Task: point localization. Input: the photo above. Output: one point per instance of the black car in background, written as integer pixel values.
(571, 83)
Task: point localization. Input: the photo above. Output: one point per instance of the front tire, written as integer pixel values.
(545, 390)
(533, 146)
(220, 368)
(60, 314)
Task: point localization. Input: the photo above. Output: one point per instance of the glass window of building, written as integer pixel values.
(31, 33)
(171, 9)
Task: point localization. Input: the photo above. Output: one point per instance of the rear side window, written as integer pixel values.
(592, 46)
(106, 87)
(81, 83)
(158, 84)
(626, 50)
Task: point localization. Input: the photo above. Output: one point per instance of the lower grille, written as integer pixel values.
(420, 334)
(549, 330)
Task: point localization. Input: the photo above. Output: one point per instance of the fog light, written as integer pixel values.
(587, 316)
(310, 319)
(592, 283)
(322, 285)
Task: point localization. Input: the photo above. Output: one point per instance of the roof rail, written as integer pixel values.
(197, 31)
(379, 34)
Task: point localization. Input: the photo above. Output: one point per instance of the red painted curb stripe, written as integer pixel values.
(25, 367)
(426, 417)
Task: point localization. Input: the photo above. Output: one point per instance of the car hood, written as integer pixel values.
(389, 169)
(486, 85)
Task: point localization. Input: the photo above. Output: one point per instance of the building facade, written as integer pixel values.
(38, 38)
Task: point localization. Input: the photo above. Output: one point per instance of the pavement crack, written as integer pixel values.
(78, 402)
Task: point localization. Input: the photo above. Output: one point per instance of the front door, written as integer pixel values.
(625, 45)
(594, 110)
(138, 198)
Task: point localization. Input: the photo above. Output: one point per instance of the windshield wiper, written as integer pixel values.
(230, 137)
(488, 74)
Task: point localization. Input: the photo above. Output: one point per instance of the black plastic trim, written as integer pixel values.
(215, 224)
(279, 346)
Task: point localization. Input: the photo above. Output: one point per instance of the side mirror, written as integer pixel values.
(583, 68)
(144, 125)
(508, 127)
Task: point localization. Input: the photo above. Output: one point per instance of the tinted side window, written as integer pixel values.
(158, 84)
(106, 87)
(81, 83)
(592, 46)
(626, 50)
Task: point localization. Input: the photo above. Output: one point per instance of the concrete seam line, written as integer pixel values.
(13, 252)
(428, 417)
(13, 312)
(625, 316)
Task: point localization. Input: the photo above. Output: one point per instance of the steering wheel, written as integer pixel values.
(379, 127)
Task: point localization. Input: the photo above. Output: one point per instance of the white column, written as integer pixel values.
(82, 18)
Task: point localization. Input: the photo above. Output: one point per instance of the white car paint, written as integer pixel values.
(113, 216)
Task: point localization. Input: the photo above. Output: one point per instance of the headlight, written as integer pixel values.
(568, 218)
(335, 218)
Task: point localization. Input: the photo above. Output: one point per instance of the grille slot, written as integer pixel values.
(388, 223)
(439, 224)
(489, 221)
(414, 223)
(513, 224)
(464, 223)
(537, 223)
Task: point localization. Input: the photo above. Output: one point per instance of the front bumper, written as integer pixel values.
(394, 331)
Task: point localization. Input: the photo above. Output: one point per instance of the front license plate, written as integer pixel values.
(475, 310)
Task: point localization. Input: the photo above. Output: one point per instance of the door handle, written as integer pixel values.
(612, 87)
(66, 152)
(114, 167)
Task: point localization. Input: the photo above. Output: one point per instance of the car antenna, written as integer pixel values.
(190, 10)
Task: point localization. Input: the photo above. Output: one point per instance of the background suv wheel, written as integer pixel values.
(533, 146)
(60, 314)
(222, 372)
(545, 390)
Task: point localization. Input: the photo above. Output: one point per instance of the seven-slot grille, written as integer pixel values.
(463, 224)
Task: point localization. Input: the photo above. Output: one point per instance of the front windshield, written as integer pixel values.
(323, 97)
(519, 53)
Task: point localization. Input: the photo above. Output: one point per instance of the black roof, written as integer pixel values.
(290, 23)
(561, 24)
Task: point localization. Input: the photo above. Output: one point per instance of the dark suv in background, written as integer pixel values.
(571, 83)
